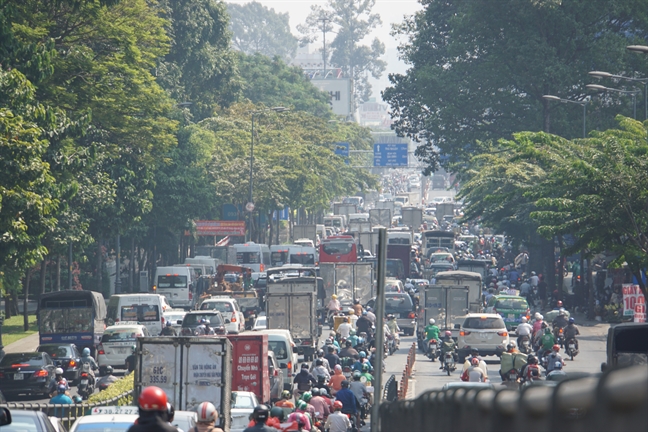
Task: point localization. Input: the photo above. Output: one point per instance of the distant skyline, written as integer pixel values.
(390, 11)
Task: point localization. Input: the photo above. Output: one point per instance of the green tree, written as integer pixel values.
(478, 70)
(259, 29)
(351, 21)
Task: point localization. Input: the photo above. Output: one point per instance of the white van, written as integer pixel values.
(146, 309)
(281, 343)
(252, 255)
(176, 283)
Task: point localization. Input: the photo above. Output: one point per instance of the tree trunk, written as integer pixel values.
(7, 300)
(25, 296)
(43, 274)
(58, 273)
(99, 265)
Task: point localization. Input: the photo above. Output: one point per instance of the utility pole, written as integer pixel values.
(324, 20)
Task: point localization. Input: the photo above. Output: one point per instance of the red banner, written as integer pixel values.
(220, 228)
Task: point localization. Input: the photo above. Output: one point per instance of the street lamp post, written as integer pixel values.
(633, 93)
(250, 205)
(643, 81)
(583, 103)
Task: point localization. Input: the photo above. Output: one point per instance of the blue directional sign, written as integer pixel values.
(342, 149)
(390, 155)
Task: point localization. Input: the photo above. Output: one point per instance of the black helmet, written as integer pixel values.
(278, 413)
(345, 384)
(474, 351)
(320, 352)
(531, 359)
(261, 413)
(510, 347)
(321, 378)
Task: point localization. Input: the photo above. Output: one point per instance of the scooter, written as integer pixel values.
(433, 349)
(570, 348)
(86, 385)
(560, 337)
(525, 345)
(449, 364)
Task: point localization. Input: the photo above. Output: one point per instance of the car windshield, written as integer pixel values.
(23, 422)
(194, 319)
(511, 304)
(398, 303)
(103, 427)
(31, 359)
(216, 305)
(242, 401)
(140, 313)
(127, 334)
(279, 348)
(484, 323)
(56, 351)
(341, 248)
(260, 322)
(172, 281)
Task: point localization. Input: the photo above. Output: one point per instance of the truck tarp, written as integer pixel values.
(190, 370)
(250, 364)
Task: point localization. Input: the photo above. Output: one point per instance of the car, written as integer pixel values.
(26, 373)
(402, 307)
(394, 285)
(116, 344)
(242, 404)
(104, 422)
(276, 377)
(280, 342)
(57, 423)
(31, 421)
(185, 420)
(192, 320)
(65, 356)
(261, 323)
(510, 308)
(229, 308)
(175, 317)
(484, 331)
(439, 266)
(441, 257)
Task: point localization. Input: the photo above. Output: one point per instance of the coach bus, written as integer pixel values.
(340, 248)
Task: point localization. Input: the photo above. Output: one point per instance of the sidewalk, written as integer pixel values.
(29, 343)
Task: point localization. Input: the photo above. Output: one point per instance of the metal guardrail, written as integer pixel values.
(390, 392)
(67, 413)
(615, 401)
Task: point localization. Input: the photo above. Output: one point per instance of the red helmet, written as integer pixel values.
(448, 333)
(556, 348)
(474, 361)
(337, 405)
(559, 303)
(152, 399)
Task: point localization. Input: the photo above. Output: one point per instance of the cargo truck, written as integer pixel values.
(381, 216)
(305, 231)
(412, 217)
(190, 370)
(401, 252)
(250, 364)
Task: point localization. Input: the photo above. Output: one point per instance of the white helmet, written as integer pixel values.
(432, 321)
(206, 412)
(58, 371)
(523, 319)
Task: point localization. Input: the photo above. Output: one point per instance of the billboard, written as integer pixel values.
(390, 155)
(339, 91)
(220, 228)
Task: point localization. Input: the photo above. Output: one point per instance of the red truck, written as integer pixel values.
(250, 364)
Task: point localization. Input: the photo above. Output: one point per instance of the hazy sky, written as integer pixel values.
(391, 11)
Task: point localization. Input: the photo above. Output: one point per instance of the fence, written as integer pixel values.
(615, 401)
(67, 413)
(390, 393)
(407, 372)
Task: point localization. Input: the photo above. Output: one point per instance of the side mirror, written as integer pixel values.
(5, 417)
(283, 365)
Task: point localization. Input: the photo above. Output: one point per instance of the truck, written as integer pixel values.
(344, 209)
(349, 281)
(250, 364)
(190, 370)
(455, 294)
(381, 216)
(369, 241)
(337, 222)
(401, 252)
(359, 227)
(305, 231)
(444, 209)
(412, 217)
(291, 304)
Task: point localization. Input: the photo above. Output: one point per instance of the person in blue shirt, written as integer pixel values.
(60, 398)
(348, 400)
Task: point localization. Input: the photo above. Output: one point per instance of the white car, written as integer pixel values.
(242, 405)
(117, 342)
(104, 422)
(173, 316)
(484, 331)
(229, 308)
(261, 323)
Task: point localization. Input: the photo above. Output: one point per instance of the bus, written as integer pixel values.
(341, 248)
(255, 256)
(72, 316)
(442, 240)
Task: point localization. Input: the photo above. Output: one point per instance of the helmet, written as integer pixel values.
(58, 371)
(510, 346)
(365, 367)
(369, 309)
(555, 348)
(133, 349)
(86, 352)
(448, 333)
(168, 323)
(345, 384)
(261, 413)
(356, 301)
(277, 412)
(285, 394)
(356, 375)
(562, 311)
(333, 296)
(523, 319)
(474, 361)
(364, 313)
(321, 378)
(61, 388)
(319, 362)
(533, 273)
(559, 304)
(320, 352)
(323, 391)
(315, 391)
(432, 321)
(337, 405)
(152, 399)
(77, 399)
(302, 405)
(474, 351)
(206, 412)
(362, 354)
(170, 412)
(572, 320)
(109, 370)
(307, 396)
(531, 359)
(203, 321)
(558, 365)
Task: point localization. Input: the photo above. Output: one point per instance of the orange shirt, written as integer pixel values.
(336, 381)
(284, 403)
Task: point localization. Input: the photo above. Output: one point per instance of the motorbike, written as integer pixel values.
(560, 337)
(434, 349)
(525, 345)
(543, 358)
(570, 348)
(86, 385)
(392, 344)
(511, 375)
(449, 364)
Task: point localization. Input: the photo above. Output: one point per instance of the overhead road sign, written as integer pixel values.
(390, 155)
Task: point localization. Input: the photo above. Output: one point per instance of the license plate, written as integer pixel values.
(511, 316)
(121, 350)
(84, 381)
(572, 346)
(484, 336)
(19, 377)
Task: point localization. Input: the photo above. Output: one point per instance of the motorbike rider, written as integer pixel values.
(332, 358)
(60, 398)
(325, 363)
(547, 341)
(554, 358)
(131, 359)
(86, 358)
(363, 324)
(348, 350)
(474, 373)
(333, 306)
(168, 330)
(524, 329)
(344, 329)
(204, 329)
(357, 308)
(371, 316)
(304, 379)
(474, 354)
(348, 399)
(571, 331)
(320, 369)
(431, 332)
(561, 320)
(58, 379)
(260, 416)
(393, 327)
(285, 401)
(336, 380)
(105, 381)
(557, 370)
(320, 404)
(359, 389)
(153, 412)
(530, 371)
(448, 345)
(337, 421)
